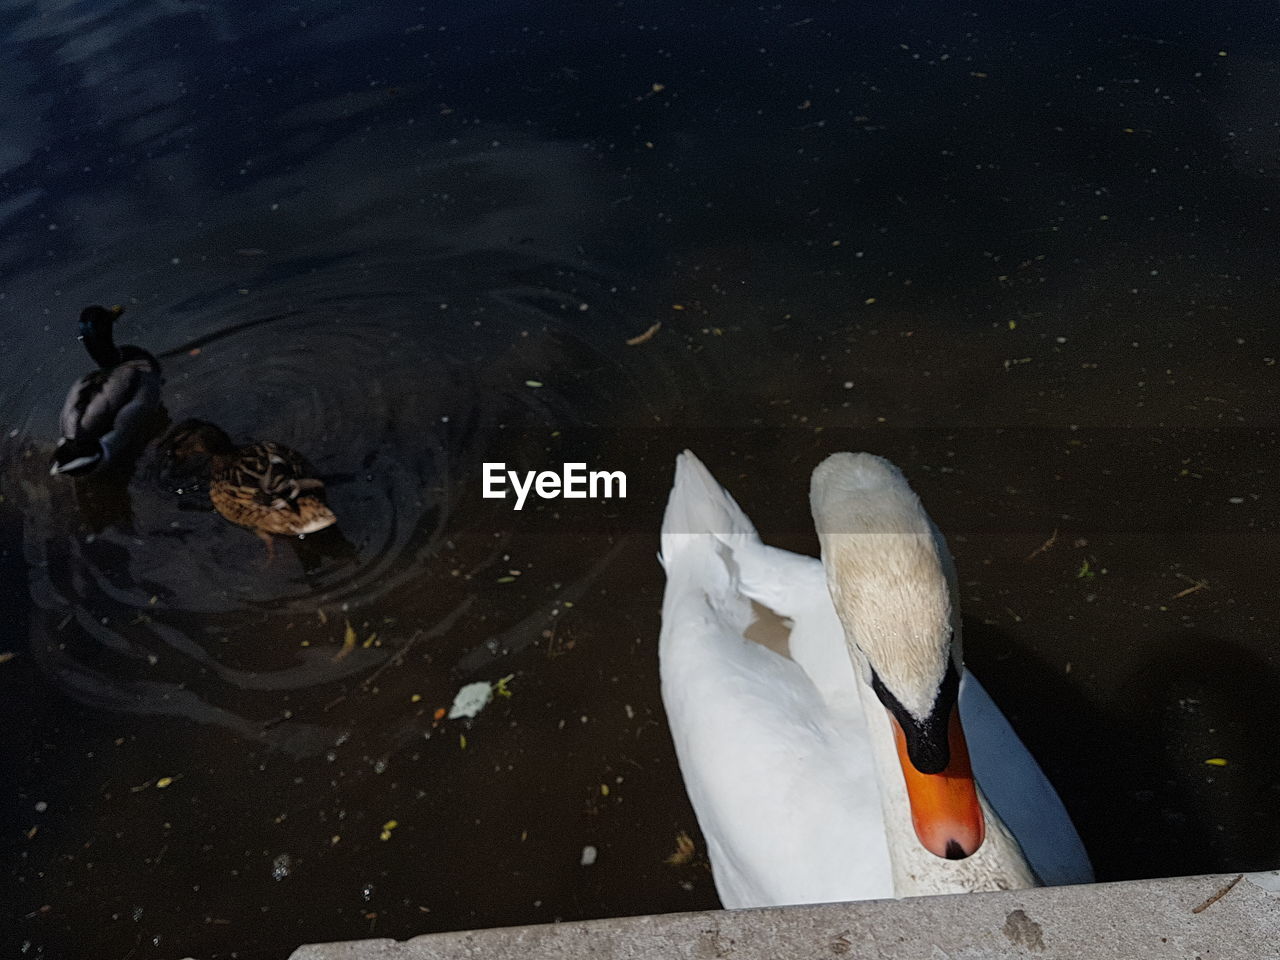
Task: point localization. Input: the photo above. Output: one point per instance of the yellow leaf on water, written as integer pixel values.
(1216, 762)
(164, 782)
(684, 850)
(348, 643)
(462, 741)
(646, 336)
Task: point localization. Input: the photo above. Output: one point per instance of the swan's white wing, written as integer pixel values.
(784, 790)
(1018, 791)
(783, 785)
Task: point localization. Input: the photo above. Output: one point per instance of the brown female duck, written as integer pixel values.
(264, 486)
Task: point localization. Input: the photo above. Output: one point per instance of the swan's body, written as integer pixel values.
(790, 760)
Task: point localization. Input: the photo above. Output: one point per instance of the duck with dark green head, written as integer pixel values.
(109, 409)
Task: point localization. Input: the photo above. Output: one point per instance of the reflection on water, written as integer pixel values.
(1026, 259)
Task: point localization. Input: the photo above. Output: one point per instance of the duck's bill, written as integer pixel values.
(944, 806)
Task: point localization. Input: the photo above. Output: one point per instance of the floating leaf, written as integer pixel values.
(348, 643)
(533, 383)
(500, 688)
(387, 828)
(646, 336)
(164, 782)
(684, 850)
(1216, 762)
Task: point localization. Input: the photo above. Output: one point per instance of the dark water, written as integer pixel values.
(1027, 252)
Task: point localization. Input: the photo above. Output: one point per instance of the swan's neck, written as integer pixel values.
(998, 864)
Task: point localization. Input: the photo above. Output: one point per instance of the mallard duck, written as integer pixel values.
(264, 486)
(833, 744)
(109, 409)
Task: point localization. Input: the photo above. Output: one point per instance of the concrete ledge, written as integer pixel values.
(1225, 917)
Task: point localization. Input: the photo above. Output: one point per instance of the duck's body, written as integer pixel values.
(109, 409)
(789, 757)
(264, 486)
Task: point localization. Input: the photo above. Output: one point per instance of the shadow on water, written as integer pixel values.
(1206, 698)
(1133, 771)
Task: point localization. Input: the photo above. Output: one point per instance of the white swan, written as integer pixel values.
(819, 741)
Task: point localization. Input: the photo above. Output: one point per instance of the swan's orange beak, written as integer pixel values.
(944, 806)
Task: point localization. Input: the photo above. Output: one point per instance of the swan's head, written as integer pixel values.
(884, 564)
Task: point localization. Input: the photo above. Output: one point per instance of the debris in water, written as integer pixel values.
(588, 855)
(501, 688)
(387, 828)
(281, 867)
(685, 850)
(1047, 545)
(164, 782)
(646, 336)
(471, 699)
(533, 383)
(7, 656)
(348, 643)
(1216, 762)
(1196, 586)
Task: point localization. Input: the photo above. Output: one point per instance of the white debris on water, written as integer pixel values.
(471, 699)
(588, 855)
(281, 867)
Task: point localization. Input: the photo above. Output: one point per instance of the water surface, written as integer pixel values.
(1026, 253)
